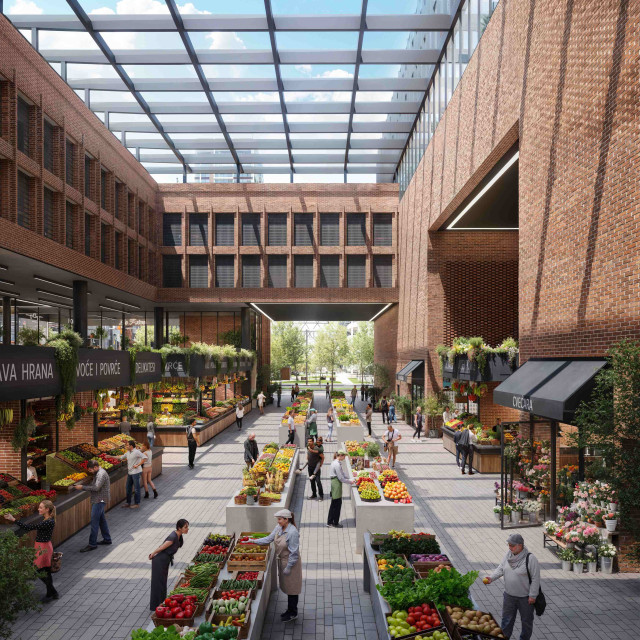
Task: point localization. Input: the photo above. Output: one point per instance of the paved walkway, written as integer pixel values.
(105, 593)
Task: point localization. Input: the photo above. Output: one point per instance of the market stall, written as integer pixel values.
(301, 406)
(348, 425)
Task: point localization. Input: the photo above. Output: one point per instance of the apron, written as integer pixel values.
(291, 584)
(336, 488)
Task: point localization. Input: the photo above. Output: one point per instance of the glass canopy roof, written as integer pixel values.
(284, 88)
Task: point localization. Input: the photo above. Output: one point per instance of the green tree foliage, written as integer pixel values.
(232, 337)
(331, 347)
(610, 422)
(361, 348)
(138, 339)
(288, 348)
(16, 588)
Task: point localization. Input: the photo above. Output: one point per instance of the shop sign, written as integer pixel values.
(522, 403)
(102, 369)
(28, 372)
(148, 367)
(200, 366)
(175, 366)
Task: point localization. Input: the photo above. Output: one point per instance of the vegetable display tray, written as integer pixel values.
(462, 633)
(423, 567)
(167, 622)
(218, 593)
(259, 564)
(425, 634)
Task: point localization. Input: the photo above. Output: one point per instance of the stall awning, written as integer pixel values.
(403, 374)
(549, 388)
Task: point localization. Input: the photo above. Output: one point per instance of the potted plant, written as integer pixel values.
(611, 521)
(550, 527)
(592, 565)
(606, 553)
(566, 556)
(578, 564)
(496, 512)
(507, 510)
(517, 508)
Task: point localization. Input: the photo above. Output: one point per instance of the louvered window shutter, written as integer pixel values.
(224, 230)
(330, 271)
(356, 271)
(198, 272)
(172, 229)
(356, 229)
(224, 272)
(277, 275)
(330, 229)
(277, 223)
(303, 271)
(382, 230)
(382, 271)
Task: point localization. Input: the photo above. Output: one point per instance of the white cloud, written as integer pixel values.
(150, 7)
(225, 40)
(25, 7)
(336, 73)
(303, 68)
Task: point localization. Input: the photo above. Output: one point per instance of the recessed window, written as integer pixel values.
(251, 271)
(356, 229)
(198, 272)
(330, 229)
(48, 213)
(303, 271)
(356, 271)
(68, 221)
(303, 229)
(198, 229)
(382, 271)
(330, 271)
(87, 234)
(24, 200)
(277, 229)
(277, 272)
(104, 230)
(69, 161)
(172, 229)
(224, 230)
(171, 271)
(103, 188)
(250, 229)
(382, 229)
(24, 126)
(118, 250)
(48, 134)
(87, 177)
(225, 272)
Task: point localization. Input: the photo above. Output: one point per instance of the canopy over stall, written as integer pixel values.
(412, 367)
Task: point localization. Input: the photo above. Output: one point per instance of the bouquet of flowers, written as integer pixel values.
(550, 527)
(606, 550)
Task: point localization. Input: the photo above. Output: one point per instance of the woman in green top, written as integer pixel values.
(312, 424)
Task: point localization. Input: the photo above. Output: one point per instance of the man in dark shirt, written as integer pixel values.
(100, 490)
(315, 459)
(456, 440)
(279, 393)
(250, 450)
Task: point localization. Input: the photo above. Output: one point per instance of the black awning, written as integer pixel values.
(549, 388)
(403, 374)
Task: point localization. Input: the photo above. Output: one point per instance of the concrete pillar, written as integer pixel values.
(158, 326)
(6, 320)
(80, 308)
(245, 328)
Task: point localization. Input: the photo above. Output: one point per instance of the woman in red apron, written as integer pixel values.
(287, 548)
(43, 546)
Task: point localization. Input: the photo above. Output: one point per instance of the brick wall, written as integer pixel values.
(385, 331)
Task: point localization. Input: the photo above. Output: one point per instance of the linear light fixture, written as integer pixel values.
(4, 267)
(53, 293)
(259, 310)
(126, 304)
(9, 282)
(13, 294)
(484, 190)
(57, 284)
(380, 312)
(55, 303)
(102, 306)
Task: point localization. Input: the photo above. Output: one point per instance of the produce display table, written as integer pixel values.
(351, 432)
(254, 517)
(370, 515)
(175, 435)
(486, 457)
(298, 440)
(73, 510)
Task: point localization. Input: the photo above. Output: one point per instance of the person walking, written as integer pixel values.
(363, 390)
(151, 431)
(193, 442)
(330, 421)
(279, 393)
(418, 423)
(287, 547)
(338, 478)
(43, 546)
(392, 410)
(293, 393)
(239, 415)
(147, 469)
(354, 395)
(125, 426)
(368, 416)
(100, 493)
(161, 558)
(261, 398)
(467, 439)
(135, 459)
(521, 572)
(391, 442)
(384, 409)
(456, 441)
(328, 391)
(250, 450)
(291, 423)
(312, 424)
(315, 460)
(296, 391)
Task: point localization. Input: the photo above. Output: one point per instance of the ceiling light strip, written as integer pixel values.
(380, 312)
(259, 310)
(54, 303)
(53, 293)
(486, 188)
(57, 284)
(126, 304)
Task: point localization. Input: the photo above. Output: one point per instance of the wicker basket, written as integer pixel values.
(264, 501)
(167, 622)
(240, 499)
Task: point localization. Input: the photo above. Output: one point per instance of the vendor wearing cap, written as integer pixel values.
(338, 478)
(521, 572)
(287, 543)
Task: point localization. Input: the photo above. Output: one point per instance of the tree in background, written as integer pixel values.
(361, 348)
(288, 347)
(331, 348)
(138, 339)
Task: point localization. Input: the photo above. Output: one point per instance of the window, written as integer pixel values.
(130, 256)
(303, 229)
(140, 262)
(330, 229)
(68, 160)
(103, 242)
(251, 271)
(24, 128)
(172, 271)
(68, 224)
(224, 230)
(303, 271)
(172, 229)
(118, 250)
(117, 211)
(251, 229)
(103, 188)
(382, 271)
(356, 271)
(330, 271)
(198, 229)
(382, 229)
(48, 145)
(277, 229)
(198, 272)
(48, 213)
(356, 229)
(24, 200)
(224, 272)
(87, 234)
(277, 275)
(87, 177)
(138, 218)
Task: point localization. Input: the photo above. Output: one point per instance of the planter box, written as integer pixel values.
(496, 370)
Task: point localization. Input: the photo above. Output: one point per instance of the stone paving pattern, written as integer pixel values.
(105, 593)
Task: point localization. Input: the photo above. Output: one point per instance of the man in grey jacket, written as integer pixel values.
(520, 593)
(250, 450)
(100, 490)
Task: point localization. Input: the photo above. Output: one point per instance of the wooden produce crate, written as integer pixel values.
(259, 579)
(185, 578)
(441, 627)
(218, 593)
(463, 633)
(424, 567)
(259, 564)
(167, 622)
(243, 631)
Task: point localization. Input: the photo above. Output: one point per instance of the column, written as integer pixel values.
(245, 328)
(80, 308)
(6, 320)
(158, 326)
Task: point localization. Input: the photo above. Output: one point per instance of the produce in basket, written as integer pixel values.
(178, 606)
(475, 621)
(243, 584)
(248, 575)
(420, 618)
(428, 557)
(229, 607)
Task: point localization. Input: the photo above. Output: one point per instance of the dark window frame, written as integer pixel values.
(24, 126)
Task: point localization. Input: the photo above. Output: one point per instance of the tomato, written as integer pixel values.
(188, 612)
(160, 611)
(168, 601)
(167, 614)
(411, 620)
(178, 597)
(176, 610)
(180, 614)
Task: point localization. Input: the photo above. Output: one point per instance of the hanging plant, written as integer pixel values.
(23, 430)
(66, 345)
(6, 417)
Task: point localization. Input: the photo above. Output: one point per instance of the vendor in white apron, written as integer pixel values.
(287, 548)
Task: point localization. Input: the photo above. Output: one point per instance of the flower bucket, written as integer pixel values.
(611, 525)
(518, 516)
(508, 517)
(523, 495)
(606, 565)
(578, 567)
(571, 545)
(613, 506)
(603, 533)
(566, 565)
(592, 567)
(533, 517)
(497, 516)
